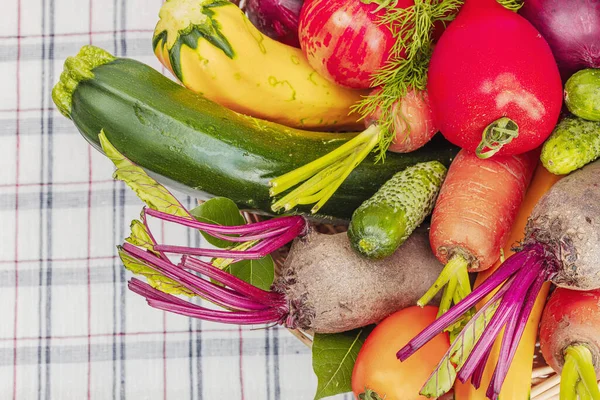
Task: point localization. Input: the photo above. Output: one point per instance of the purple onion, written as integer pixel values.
(571, 28)
(278, 19)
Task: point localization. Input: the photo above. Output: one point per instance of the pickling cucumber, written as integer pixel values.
(382, 223)
(196, 146)
(582, 94)
(574, 143)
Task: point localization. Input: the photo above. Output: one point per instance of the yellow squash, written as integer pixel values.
(213, 49)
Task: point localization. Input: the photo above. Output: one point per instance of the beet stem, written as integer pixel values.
(478, 373)
(258, 251)
(208, 290)
(249, 237)
(508, 268)
(442, 378)
(510, 304)
(507, 355)
(151, 236)
(251, 291)
(280, 222)
(168, 302)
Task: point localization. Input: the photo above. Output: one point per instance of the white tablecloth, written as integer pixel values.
(70, 329)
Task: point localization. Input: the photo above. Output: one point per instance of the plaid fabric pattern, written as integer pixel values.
(70, 329)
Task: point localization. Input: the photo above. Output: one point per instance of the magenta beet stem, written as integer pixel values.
(507, 355)
(280, 222)
(511, 303)
(168, 302)
(249, 237)
(151, 236)
(251, 291)
(478, 374)
(508, 268)
(208, 290)
(259, 250)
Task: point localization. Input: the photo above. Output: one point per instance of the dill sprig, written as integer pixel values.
(406, 69)
(412, 28)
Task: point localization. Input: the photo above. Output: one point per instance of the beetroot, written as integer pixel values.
(562, 245)
(570, 340)
(323, 287)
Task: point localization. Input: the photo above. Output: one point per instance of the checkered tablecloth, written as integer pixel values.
(70, 329)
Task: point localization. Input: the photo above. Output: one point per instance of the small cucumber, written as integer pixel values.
(582, 94)
(383, 222)
(574, 143)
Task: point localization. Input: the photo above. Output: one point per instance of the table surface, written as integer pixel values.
(70, 328)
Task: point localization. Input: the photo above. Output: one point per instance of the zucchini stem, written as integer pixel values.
(323, 176)
(578, 376)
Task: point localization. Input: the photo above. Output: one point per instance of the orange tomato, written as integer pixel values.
(377, 367)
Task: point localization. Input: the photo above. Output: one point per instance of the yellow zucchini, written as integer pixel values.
(214, 50)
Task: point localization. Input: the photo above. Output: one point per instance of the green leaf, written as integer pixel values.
(220, 211)
(140, 237)
(154, 279)
(333, 357)
(259, 273)
(442, 379)
(147, 189)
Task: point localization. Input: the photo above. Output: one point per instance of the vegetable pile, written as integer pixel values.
(431, 134)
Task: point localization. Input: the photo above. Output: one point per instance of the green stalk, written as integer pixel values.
(578, 374)
(454, 272)
(582, 391)
(324, 175)
(447, 297)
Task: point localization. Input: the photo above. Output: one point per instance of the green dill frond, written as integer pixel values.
(412, 27)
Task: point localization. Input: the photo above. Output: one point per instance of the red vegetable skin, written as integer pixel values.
(343, 40)
(473, 215)
(572, 29)
(376, 366)
(571, 326)
(413, 122)
(277, 19)
(570, 317)
(492, 63)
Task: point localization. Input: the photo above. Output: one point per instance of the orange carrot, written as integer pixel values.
(517, 384)
(475, 210)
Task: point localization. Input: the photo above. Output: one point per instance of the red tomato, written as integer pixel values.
(377, 367)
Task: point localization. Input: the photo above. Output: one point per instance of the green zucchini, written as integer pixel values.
(196, 146)
(574, 143)
(382, 223)
(582, 94)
